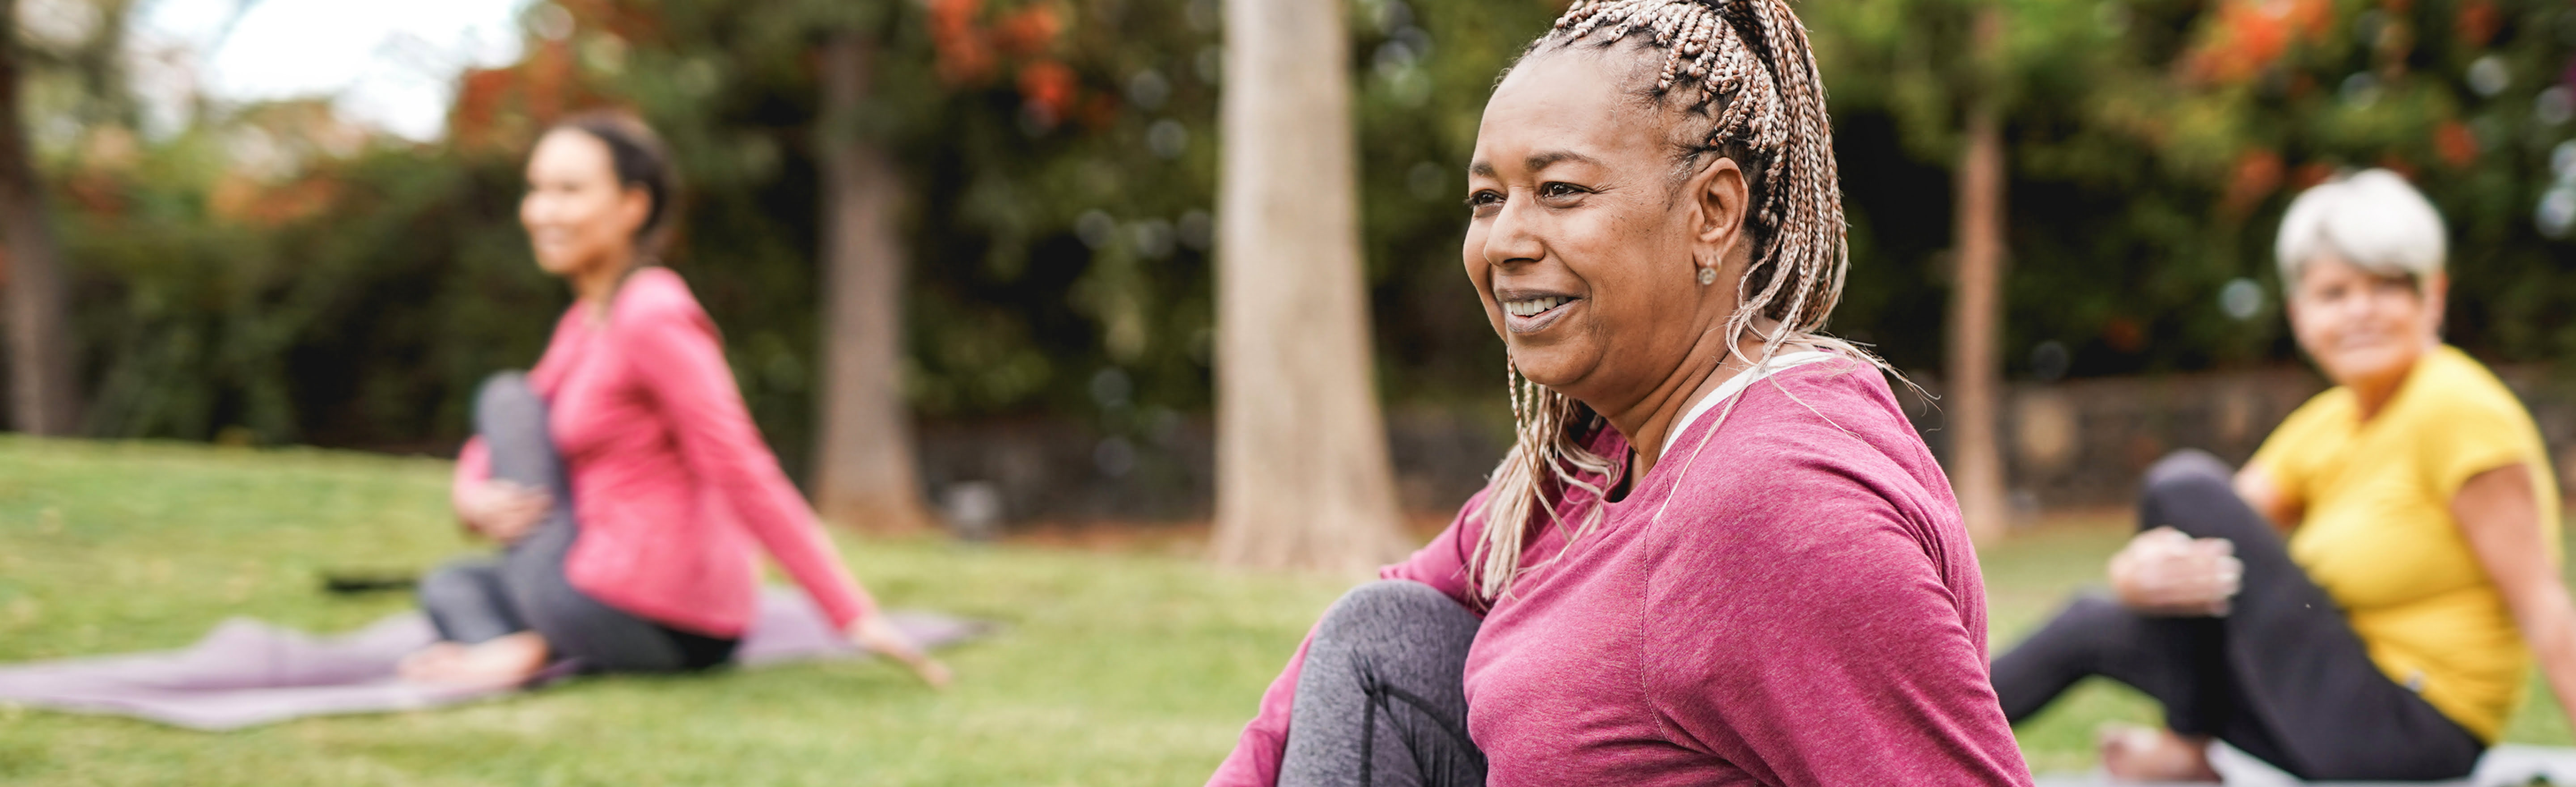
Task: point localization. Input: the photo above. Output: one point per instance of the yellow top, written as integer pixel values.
(2379, 537)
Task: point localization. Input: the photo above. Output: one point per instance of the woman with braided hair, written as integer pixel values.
(1718, 554)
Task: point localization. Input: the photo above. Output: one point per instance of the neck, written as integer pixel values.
(1646, 421)
(593, 288)
(2373, 394)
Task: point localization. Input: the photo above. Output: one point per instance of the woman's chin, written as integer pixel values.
(2359, 367)
(1548, 367)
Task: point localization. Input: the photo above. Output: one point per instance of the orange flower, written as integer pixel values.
(2477, 23)
(962, 51)
(2257, 175)
(2250, 35)
(2457, 146)
(1029, 30)
(1047, 85)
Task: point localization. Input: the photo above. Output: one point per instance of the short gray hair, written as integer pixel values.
(2372, 219)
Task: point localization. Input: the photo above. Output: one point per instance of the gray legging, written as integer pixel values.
(476, 599)
(2282, 676)
(1382, 698)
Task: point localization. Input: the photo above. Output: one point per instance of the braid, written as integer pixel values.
(1747, 67)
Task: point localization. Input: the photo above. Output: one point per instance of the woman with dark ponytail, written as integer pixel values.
(1718, 553)
(622, 476)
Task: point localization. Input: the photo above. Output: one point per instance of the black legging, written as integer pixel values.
(476, 599)
(1382, 699)
(2282, 676)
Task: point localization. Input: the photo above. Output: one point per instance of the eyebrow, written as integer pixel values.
(1535, 162)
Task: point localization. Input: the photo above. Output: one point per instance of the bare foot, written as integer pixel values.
(502, 661)
(2140, 754)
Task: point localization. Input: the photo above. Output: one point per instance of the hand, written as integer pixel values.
(2163, 572)
(876, 634)
(503, 510)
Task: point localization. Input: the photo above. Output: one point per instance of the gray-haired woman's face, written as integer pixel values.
(1582, 245)
(2363, 328)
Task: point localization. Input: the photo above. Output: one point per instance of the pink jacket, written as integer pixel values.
(1806, 610)
(671, 483)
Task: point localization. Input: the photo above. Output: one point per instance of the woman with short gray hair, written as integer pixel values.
(2363, 599)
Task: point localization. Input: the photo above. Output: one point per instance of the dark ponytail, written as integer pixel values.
(640, 161)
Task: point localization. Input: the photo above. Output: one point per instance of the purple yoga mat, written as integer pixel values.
(248, 673)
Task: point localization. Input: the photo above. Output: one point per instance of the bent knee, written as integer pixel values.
(505, 396)
(2189, 468)
(1385, 606)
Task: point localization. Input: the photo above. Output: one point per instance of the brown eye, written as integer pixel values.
(1558, 191)
(1485, 201)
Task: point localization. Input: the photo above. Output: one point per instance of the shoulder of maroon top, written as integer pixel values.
(653, 294)
(1794, 445)
(1840, 395)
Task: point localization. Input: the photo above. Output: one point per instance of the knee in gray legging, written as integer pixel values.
(506, 400)
(1363, 616)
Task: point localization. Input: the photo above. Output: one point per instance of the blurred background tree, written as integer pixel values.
(44, 399)
(1303, 478)
(273, 273)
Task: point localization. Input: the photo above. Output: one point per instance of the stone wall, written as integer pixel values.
(2072, 444)
(2083, 443)
(1062, 471)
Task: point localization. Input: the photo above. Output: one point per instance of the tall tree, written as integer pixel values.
(1303, 478)
(1975, 326)
(42, 395)
(1975, 319)
(864, 473)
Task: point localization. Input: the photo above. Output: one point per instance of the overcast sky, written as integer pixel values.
(390, 64)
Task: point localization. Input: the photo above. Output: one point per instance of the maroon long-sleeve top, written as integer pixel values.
(673, 488)
(1805, 610)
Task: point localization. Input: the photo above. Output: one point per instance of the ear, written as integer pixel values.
(1720, 202)
(634, 207)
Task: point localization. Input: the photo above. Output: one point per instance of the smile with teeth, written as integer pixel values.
(1534, 306)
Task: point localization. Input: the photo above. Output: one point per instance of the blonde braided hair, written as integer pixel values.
(1749, 62)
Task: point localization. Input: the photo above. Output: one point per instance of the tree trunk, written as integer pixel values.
(42, 393)
(1976, 320)
(1303, 478)
(864, 475)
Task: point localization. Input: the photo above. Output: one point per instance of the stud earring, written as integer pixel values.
(1707, 276)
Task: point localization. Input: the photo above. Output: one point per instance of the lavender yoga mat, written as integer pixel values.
(247, 673)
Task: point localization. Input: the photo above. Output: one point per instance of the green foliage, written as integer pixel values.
(2154, 144)
(1058, 161)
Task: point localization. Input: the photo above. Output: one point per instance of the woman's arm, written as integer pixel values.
(683, 366)
(679, 362)
(2499, 514)
(1820, 643)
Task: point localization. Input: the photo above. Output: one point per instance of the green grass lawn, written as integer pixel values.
(1117, 668)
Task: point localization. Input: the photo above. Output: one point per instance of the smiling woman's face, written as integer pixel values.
(1582, 246)
(2364, 329)
(578, 216)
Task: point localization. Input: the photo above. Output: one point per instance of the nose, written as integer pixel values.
(1512, 237)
